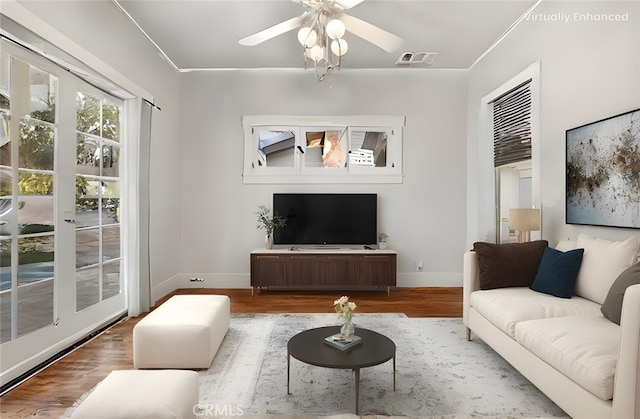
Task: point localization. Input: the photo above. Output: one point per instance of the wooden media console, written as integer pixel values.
(323, 269)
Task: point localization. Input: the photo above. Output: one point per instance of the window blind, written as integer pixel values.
(512, 126)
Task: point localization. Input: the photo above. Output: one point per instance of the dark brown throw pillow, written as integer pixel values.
(612, 306)
(508, 264)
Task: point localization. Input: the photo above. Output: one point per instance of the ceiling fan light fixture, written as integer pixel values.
(316, 53)
(320, 31)
(339, 47)
(335, 29)
(307, 37)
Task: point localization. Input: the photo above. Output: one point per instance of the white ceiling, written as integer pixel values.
(204, 34)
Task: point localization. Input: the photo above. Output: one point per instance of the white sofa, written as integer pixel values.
(588, 365)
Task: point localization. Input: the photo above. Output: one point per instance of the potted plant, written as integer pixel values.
(269, 223)
(382, 240)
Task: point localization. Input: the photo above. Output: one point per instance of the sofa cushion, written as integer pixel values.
(612, 306)
(557, 272)
(584, 348)
(508, 264)
(505, 307)
(602, 262)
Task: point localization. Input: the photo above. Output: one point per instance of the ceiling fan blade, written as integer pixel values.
(347, 4)
(371, 33)
(273, 31)
(317, 4)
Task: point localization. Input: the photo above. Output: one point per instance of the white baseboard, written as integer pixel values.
(429, 279)
(215, 280)
(208, 280)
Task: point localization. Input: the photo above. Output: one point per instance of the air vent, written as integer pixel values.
(409, 58)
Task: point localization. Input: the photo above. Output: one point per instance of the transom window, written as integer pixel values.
(357, 149)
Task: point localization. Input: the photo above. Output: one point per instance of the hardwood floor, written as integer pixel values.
(50, 392)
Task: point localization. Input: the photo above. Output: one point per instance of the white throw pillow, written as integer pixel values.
(602, 262)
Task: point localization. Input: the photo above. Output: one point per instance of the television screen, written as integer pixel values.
(326, 219)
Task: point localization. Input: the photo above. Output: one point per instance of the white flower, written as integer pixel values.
(341, 301)
(344, 307)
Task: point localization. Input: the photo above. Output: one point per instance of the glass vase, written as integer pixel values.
(348, 328)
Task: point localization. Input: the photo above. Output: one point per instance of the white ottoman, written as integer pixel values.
(184, 332)
(139, 394)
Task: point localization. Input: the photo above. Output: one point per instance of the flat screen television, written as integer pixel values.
(326, 218)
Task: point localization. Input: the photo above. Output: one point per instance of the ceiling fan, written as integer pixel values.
(329, 9)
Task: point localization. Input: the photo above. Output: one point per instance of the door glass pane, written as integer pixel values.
(109, 160)
(36, 145)
(5, 151)
(86, 202)
(36, 257)
(110, 279)
(87, 247)
(87, 287)
(110, 121)
(35, 282)
(42, 89)
(5, 316)
(110, 243)
(35, 203)
(35, 306)
(88, 114)
(97, 199)
(86, 151)
(6, 186)
(5, 290)
(5, 60)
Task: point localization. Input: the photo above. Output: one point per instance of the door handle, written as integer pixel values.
(70, 221)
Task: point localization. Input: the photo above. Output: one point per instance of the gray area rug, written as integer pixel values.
(439, 373)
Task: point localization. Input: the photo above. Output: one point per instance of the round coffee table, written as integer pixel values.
(309, 347)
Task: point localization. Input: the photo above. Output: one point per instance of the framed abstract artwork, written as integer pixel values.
(603, 172)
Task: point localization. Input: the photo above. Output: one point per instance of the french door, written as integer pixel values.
(60, 204)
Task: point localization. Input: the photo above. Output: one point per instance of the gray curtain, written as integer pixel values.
(140, 288)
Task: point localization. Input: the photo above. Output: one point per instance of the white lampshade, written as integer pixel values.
(339, 47)
(316, 53)
(307, 37)
(524, 220)
(335, 29)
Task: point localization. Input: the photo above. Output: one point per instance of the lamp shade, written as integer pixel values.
(524, 219)
(339, 47)
(335, 29)
(316, 53)
(307, 37)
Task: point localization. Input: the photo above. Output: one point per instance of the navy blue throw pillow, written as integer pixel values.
(557, 272)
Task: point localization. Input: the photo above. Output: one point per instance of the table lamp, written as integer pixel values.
(524, 220)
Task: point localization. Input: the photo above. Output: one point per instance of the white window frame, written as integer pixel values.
(299, 173)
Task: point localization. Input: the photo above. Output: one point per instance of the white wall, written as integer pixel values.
(590, 71)
(424, 216)
(111, 43)
(202, 216)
